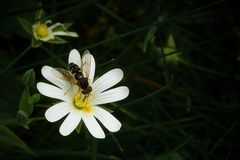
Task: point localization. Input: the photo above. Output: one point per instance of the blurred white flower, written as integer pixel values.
(43, 32)
(77, 106)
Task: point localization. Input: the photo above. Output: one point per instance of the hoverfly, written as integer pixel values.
(78, 75)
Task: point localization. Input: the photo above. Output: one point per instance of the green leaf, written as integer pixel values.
(130, 114)
(29, 77)
(27, 26)
(60, 27)
(67, 25)
(36, 97)
(107, 109)
(57, 40)
(171, 41)
(22, 119)
(171, 47)
(39, 13)
(172, 156)
(36, 43)
(26, 102)
(10, 138)
(26, 106)
(79, 127)
(149, 37)
(170, 53)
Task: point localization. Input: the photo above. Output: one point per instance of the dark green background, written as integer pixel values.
(185, 110)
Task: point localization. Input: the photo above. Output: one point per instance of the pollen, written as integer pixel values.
(87, 108)
(80, 101)
(41, 30)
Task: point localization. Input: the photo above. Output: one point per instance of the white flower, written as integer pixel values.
(79, 107)
(43, 32)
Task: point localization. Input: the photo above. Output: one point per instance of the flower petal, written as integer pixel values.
(53, 76)
(55, 25)
(88, 66)
(52, 91)
(110, 96)
(63, 33)
(74, 57)
(93, 126)
(70, 123)
(107, 80)
(91, 72)
(57, 111)
(107, 119)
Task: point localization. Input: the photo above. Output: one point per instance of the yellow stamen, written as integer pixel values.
(80, 101)
(87, 108)
(41, 30)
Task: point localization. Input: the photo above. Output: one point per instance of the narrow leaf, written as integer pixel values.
(67, 25)
(29, 77)
(57, 40)
(10, 138)
(26, 102)
(36, 97)
(150, 35)
(39, 13)
(22, 119)
(36, 43)
(79, 127)
(171, 47)
(27, 26)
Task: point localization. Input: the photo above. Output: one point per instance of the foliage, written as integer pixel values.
(175, 111)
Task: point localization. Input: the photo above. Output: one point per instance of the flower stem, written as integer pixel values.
(37, 119)
(16, 59)
(53, 55)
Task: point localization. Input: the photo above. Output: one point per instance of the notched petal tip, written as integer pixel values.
(109, 96)
(107, 119)
(125, 91)
(107, 80)
(86, 52)
(119, 127)
(63, 133)
(70, 123)
(45, 70)
(74, 51)
(57, 111)
(116, 128)
(53, 92)
(101, 137)
(39, 86)
(93, 126)
(74, 57)
(118, 73)
(43, 88)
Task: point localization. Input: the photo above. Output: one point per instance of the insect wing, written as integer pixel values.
(65, 75)
(60, 80)
(88, 65)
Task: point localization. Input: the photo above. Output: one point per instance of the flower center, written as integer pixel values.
(81, 101)
(41, 30)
